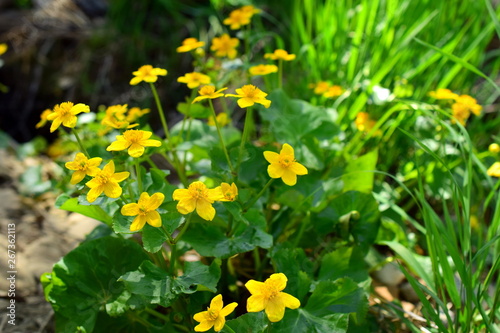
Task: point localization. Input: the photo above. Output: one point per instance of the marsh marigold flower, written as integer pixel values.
(106, 180)
(238, 18)
(190, 44)
(82, 167)
(280, 54)
(194, 79)
(494, 148)
(115, 116)
(3, 48)
(65, 113)
(135, 141)
(333, 91)
(249, 95)
(144, 211)
(208, 92)
(135, 113)
(148, 74)
(284, 165)
(443, 94)
(494, 170)
(229, 192)
(320, 87)
(250, 9)
(222, 118)
(263, 69)
(469, 103)
(460, 113)
(214, 316)
(268, 296)
(197, 196)
(43, 118)
(363, 122)
(225, 46)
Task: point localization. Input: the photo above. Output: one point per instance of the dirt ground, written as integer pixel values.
(43, 235)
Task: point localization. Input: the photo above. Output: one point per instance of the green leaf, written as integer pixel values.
(211, 241)
(195, 110)
(85, 281)
(153, 238)
(359, 173)
(92, 211)
(340, 296)
(247, 323)
(302, 320)
(344, 262)
(198, 274)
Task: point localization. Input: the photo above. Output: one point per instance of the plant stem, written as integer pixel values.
(244, 136)
(157, 314)
(160, 111)
(173, 255)
(183, 230)
(221, 139)
(303, 226)
(170, 239)
(161, 260)
(75, 132)
(280, 74)
(254, 200)
(256, 257)
(138, 175)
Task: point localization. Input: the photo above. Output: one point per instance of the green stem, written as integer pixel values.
(244, 136)
(173, 258)
(256, 258)
(254, 200)
(188, 136)
(303, 226)
(170, 239)
(183, 230)
(138, 175)
(160, 111)
(161, 260)
(229, 225)
(157, 315)
(80, 143)
(221, 139)
(280, 74)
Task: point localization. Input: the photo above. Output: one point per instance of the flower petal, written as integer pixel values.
(204, 326)
(155, 201)
(151, 143)
(118, 145)
(136, 150)
(219, 323)
(278, 280)
(205, 209)
(112, 189)
(135, 80)
(275, 310)
(245, 102)
(272, 157)
(288, 300)
(287, 150)
(255, 287)
(226, 311)
(77, 177)
(94, 193)
(121, 176)
(298, 168)
(180, 194)
(109, 168)
(216, 303)
(138, 223)
(186, 206)
(55, 124)
(131, 209)
(289, 177)
(256, 303)
(275, 170)
(153, 218)
(200, 316)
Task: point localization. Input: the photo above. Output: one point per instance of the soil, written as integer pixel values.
(43, 235)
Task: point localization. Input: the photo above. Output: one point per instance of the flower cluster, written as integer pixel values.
(461, 105)
(326, 89)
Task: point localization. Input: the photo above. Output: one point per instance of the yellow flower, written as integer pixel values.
(263, 69)
(197, 196)
(225, 46)
(284, 165)
(190, 44)
(469, 103)
(115, 116)
(144, 210)
(363, 122)
(194, 79)
(494, 170)
(443, 94)
(229, 192)
(268, 296)
(460, 113)
(320, 87)
(280, 54)
(250, 9)
(222, 118)
(106, 180)
(237, 18)
(135, 113)
(3, 48)
(147, 73)
(333, 91)
(249, 95)
(214, 316)
(82, 167)
(208, 92)
(134, 141)
(65, 113)
(43, 118)
(494, 148)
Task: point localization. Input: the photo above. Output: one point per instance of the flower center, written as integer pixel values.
(250, 92)
(286, 160)
(197, 191)
(213, 314)
(133, 136)
(83, 165)
(102, 178)
(142, 210)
